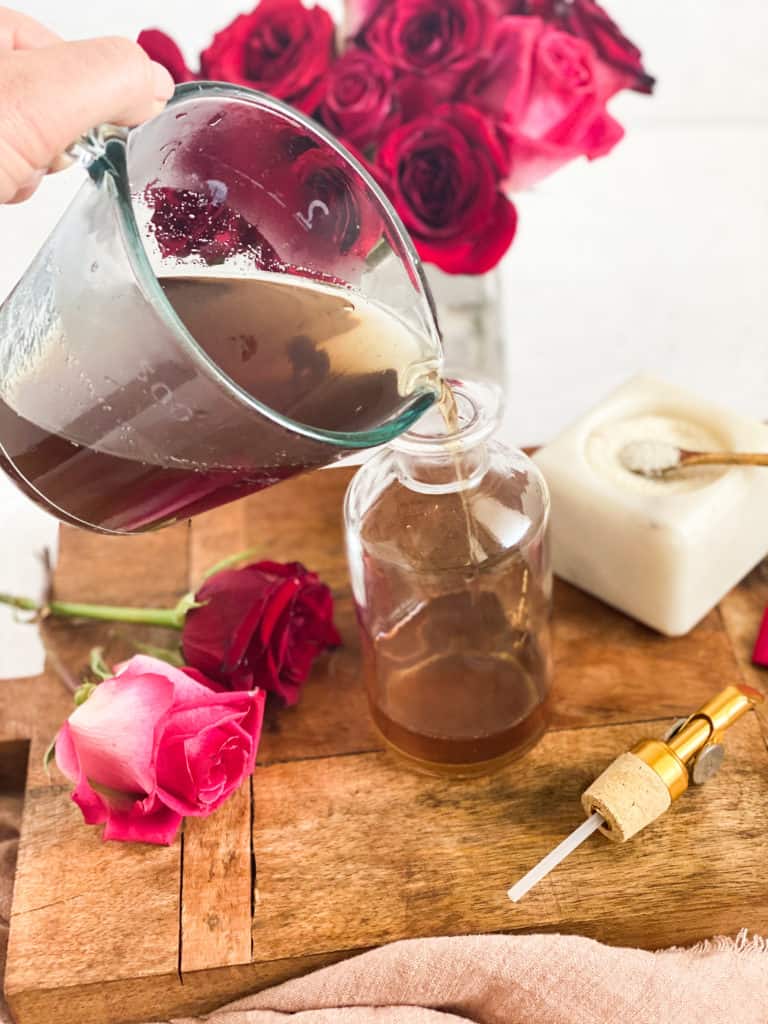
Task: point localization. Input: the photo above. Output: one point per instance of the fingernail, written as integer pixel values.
(164, 84)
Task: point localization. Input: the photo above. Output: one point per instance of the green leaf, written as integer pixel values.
(97, 664)
(186, 604)
(83, 692)
(49, 755)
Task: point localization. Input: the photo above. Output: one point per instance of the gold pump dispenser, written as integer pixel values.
(641, 784)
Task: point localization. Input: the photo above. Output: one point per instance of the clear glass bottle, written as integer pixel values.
(448, 552)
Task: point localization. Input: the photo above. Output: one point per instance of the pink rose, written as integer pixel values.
(156, 743)
(621, 60)
(359, 100)
(543, 85)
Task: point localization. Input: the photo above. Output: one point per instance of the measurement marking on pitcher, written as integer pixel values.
(307, 220)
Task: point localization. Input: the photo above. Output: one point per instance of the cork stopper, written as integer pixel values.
(629, 795)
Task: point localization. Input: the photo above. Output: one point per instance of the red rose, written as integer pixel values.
(281, 48)
(588, 20)
(544, 85)
(420, 94)
(161, 48)
(429, 36)
(359, 100)
(260, 626)
(338, 220)
(443, 173)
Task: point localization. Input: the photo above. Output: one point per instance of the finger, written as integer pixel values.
(22, 195)
(52, 95)
(20, 32)
(28, 189)
(60, 163)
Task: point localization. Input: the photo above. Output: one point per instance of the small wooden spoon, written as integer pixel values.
(659, 458)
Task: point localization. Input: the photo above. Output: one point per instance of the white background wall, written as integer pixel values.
(651, 259)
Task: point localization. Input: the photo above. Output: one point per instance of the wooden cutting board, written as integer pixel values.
(333, 848)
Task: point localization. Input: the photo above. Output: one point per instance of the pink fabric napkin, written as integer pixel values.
(529, 979)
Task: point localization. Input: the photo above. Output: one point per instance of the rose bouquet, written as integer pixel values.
(453, 104)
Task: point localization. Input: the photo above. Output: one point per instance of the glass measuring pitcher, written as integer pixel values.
(229, 300)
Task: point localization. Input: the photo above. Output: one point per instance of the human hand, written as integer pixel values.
(52, 91)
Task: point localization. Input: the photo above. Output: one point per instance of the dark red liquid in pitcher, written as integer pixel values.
(320, 356)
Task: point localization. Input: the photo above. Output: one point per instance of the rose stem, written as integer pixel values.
(171, 618)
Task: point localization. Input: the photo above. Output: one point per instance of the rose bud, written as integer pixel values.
(156, 743)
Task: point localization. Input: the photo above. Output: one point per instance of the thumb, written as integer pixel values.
(50, 96)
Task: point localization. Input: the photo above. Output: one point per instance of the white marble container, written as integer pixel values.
(664, 551)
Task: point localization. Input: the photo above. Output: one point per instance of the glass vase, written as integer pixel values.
(469, 313)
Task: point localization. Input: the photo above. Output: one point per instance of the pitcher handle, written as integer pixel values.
(91, 145)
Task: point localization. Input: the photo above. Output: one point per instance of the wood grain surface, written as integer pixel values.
(333, 847)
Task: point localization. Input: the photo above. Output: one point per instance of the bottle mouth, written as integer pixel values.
(478, 411)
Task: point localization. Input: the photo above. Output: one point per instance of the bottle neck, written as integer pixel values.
(457, 471)
(447, 450)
